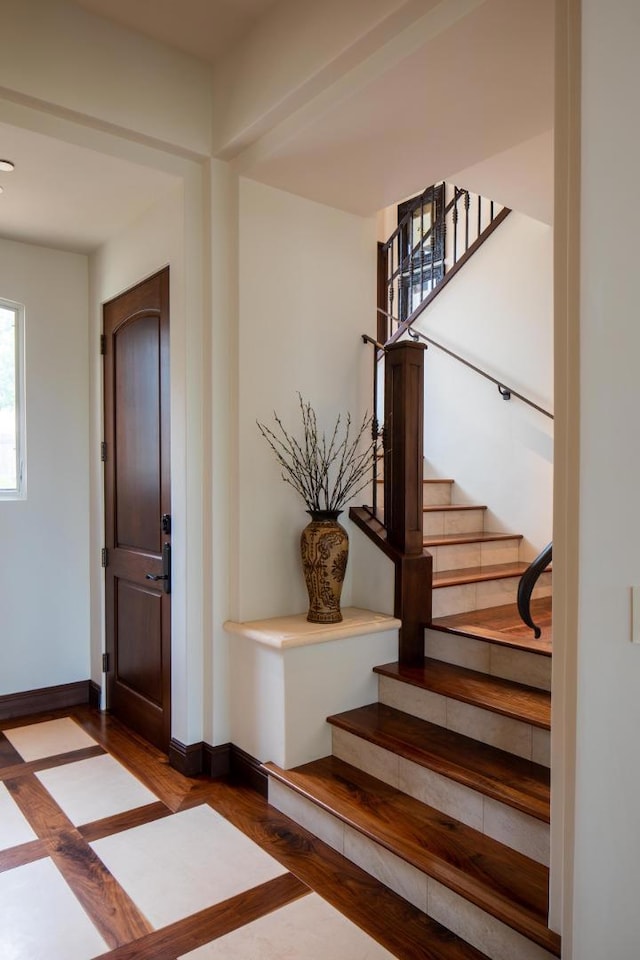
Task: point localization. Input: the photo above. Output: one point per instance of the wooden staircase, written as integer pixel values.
(441, 788)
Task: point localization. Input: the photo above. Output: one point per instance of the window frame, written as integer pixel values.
(19, 492)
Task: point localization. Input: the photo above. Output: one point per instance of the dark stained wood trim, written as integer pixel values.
(217, 760)
(383, 326)
(43, 699)
(26, 768)
(9, 756)
(248, 771)
(403, 446)
(95, 695)
(412, 593)
(209, 924)
(23, 854)
(123, 821)
(187, 759)
(111, 909)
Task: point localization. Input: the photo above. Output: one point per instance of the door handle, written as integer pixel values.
(165, 576)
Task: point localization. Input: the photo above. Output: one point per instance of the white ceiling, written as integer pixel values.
(62, 195)
(480, 87)
(203, 28)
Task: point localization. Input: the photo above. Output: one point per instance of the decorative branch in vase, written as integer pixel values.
(327, 470)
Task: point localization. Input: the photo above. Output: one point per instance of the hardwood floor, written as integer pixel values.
(298, 863)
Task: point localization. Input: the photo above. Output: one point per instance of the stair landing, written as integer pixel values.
(503, 625)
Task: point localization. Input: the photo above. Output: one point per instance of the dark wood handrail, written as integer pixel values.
(505, 392)
(526, 586)
(412, 591)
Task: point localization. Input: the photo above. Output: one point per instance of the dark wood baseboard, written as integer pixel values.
(217, 760)
(187, 759)
(45, 699)
(95, 695)
(195, 758)
(247, 770)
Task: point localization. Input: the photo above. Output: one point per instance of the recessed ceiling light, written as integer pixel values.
(6, 166)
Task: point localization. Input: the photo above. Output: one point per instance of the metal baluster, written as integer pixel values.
(455, 226)
(422, 251)
(491, 212)
(467, 203)
(479, 214)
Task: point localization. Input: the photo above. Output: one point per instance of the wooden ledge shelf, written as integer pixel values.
(282, 633)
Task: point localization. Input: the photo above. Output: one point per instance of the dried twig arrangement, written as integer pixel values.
(326, 473)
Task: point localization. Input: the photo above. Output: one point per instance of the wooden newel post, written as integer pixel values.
(403, 472)
(403, 445)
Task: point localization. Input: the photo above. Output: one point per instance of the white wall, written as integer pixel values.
(307, 291)
(44, 555)
(497, 313)
(607, 826)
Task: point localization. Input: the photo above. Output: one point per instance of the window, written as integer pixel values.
(12, 423)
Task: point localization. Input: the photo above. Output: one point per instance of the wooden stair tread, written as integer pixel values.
(429, 480)
(502, 625)
(477, 536)
(493, 571)
(505, 697)
(496, 878)
(449, 507)
(518, 783)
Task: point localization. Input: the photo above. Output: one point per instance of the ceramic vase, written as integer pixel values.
(324, 545)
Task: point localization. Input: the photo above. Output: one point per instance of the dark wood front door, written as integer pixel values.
(137, 508)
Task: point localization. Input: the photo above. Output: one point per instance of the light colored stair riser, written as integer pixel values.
(515, 736)
(436, 493)
(530, 668)
(470, 922)
(437, 523)
(433, 494)
(492, 817)
(458, 556)
(483, 594)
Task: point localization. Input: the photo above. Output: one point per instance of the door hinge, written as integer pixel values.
(104, 557)
(103, 345)
(105, 663)
(103, 451)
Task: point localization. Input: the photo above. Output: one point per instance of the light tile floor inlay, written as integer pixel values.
(14, 828)
(174, 867)
(92, 789)
(308, 928)
(48, 739)
(41, 918)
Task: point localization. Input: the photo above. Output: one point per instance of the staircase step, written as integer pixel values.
(504, 697)
(517, 783)
(502, 625)
(508, 886)
(494, 571)
(474, 536)
(472, 549)
(434, 492)
(475, 588)
(454, 518)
